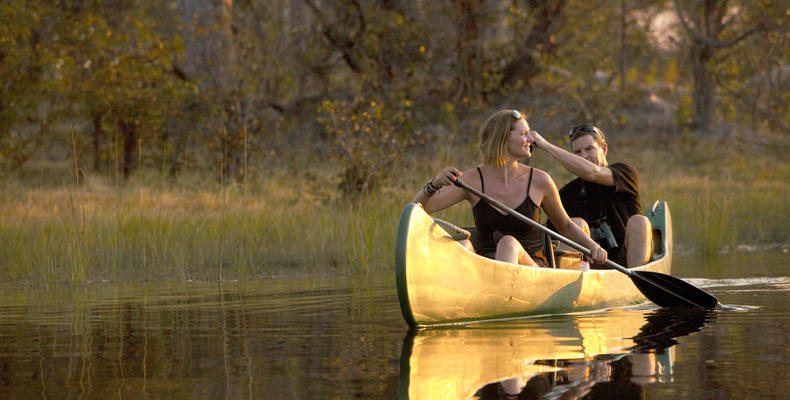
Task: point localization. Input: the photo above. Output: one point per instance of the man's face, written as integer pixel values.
(585, 146)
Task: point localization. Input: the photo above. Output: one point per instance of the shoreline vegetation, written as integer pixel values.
(128, 153)
(727, 195)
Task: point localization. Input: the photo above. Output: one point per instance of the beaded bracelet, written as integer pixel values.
(429, 189)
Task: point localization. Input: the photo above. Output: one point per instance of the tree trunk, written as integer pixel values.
(548, 16)
(98, 133)
(704, 28)
(210, 61)
(469, 51)
(704, 93)
(623, 28)
(128, 131)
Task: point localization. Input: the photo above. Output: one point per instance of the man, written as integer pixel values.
(604, 199)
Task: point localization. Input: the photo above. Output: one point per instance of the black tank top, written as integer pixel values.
(488, 220)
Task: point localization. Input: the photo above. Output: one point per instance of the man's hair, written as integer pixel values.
(494, 135)
(581, 130)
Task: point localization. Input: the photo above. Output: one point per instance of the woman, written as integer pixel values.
(504, 139)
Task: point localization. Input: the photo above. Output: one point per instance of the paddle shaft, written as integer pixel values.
(535, 224)
(664, 290)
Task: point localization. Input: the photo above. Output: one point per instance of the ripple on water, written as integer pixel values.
(743, 288)
(758, 283)
(738, 307)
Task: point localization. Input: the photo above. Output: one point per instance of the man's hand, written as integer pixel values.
(577, 165)
(539, 141)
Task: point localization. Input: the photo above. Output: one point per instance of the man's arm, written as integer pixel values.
(576, 165)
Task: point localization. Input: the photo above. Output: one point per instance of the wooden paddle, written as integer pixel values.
(662, 289)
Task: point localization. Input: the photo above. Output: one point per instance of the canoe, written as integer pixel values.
(456, 362)
(440, 282)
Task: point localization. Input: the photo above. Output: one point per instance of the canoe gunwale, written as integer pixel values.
(400, 265)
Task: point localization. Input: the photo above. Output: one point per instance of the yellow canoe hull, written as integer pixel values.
(441, 282)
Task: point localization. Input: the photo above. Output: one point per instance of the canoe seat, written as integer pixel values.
(560, 258)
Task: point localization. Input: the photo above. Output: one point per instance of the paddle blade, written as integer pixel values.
(668, 291)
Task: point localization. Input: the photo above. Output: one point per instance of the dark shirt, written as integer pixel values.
(593, 202)
(488, 221)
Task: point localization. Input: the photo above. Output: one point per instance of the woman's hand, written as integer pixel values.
(430, 196)
(598, 254)
(446, 177)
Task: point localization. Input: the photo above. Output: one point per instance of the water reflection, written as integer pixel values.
(343, 338)
(295, 338)
(603, 355)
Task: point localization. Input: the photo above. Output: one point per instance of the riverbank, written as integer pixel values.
(724, 196)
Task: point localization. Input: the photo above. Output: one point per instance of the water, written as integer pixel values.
(344, 337)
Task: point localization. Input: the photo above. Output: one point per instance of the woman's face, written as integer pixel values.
(520, 140)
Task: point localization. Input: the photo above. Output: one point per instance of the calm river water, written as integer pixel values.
(344, 338)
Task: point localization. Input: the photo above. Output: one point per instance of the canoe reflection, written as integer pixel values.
(603, 355)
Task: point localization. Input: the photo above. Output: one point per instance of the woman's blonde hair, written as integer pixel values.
(494, 135)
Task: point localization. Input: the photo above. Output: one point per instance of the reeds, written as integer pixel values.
(720, 197)
(92, 230)
(139, 235)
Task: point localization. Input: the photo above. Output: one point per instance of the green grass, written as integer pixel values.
(721, 196)
(59, 235)
(296, 225)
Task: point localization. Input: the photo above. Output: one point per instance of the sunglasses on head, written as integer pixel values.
(576, 130)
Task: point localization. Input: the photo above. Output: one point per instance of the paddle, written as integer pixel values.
(662, 289)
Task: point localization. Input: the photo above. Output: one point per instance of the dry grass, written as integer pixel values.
(295, 224)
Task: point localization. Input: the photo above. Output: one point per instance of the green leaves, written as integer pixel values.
(100, 64)
(369, 135)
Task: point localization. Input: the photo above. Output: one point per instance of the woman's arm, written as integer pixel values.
(440, 192)
(550, 203)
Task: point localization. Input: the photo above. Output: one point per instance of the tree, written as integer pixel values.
(26, 61)
(209, 63)
(468, 50)
(382, 46)
(754, 82)
(545, 17)
(713, 28)
(209, 56)
(117, 74)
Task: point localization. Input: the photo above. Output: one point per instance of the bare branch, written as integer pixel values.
(340, 41)
(712, 42)
(733, 41)
(683, 22)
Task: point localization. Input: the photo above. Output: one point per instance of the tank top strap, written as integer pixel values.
(529, 182)
(482, 184)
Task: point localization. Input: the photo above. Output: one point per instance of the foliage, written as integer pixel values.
(112, 75)
(24, 57)
(159, 232)
(369, 83)
(120, 76)
(370, 136)
(714, 33)
(755, 78)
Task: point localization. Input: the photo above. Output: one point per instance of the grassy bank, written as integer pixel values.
(721, 198)
(723, 195)
(66, 235)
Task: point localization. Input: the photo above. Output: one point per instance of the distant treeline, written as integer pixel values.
(217, 85)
